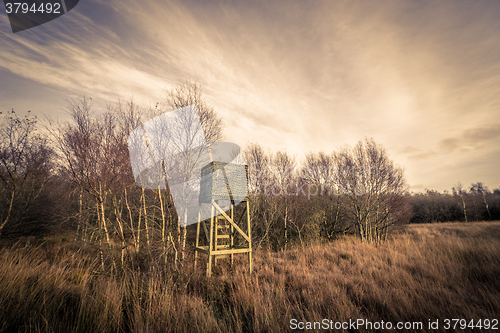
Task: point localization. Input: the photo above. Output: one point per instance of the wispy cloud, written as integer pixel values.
(420, 77)
(474, 140)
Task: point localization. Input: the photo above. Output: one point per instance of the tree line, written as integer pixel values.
(473, 204)
(75, 177)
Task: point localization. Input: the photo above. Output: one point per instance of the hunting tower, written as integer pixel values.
(223, 186)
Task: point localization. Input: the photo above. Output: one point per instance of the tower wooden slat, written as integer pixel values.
(214, 249)
(223, 226)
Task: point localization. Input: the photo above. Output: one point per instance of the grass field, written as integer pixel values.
(425, 272)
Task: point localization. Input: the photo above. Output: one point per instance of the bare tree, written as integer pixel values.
(283, 174)
(319, 170)
(25, 163)
(94, 149)
(181, 96)
(265, 208)
(282, 170)
(190, 93)
(480, 189)
(258, 168)
(374, 188)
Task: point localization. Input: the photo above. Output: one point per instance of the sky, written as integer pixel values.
(422, 77)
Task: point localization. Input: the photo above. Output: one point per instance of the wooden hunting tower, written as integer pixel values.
(226, 185)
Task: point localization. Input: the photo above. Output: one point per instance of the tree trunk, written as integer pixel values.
(80, 208)
(486, 205)
(135, 239)
(176, 255)
(101, 254)
(105, 226)
(184, 234)
(146, 224)
(164, 245)
(120, 226)
(286, 231)
(9, 212)
(465, 210)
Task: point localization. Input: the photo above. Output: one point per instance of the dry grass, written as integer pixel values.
(425, 272)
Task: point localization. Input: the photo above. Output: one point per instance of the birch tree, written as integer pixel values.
(374, 188)
(25, 166)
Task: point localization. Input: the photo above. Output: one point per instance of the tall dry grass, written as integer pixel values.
(424, 272)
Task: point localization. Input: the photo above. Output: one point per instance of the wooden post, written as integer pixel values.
(216, 251)
(211, 244)
(249, 230)
(231, 235)
(197, 238)
(216, 231)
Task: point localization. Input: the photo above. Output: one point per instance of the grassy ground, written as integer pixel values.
(425, 272)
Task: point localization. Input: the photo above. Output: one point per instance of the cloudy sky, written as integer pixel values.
(420, 77)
